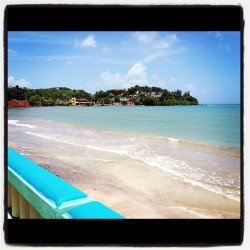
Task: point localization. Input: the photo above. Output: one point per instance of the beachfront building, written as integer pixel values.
(78, 102)
(18, 103)
(130, 103)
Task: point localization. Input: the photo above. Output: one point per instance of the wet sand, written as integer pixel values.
(137, 191)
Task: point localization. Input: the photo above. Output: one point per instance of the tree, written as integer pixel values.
(107, 100)
(177, 93)
(116, 99)
(156, 89)
(165, 94)
(148, 101)
(186, 94)
(101, 94)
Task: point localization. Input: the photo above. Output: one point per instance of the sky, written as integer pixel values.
(205, 63)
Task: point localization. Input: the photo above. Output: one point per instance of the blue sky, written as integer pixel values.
(205, 63)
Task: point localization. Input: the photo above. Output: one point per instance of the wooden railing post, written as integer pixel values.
(24, 208)
(33, 213)
(9, 195)
(15, 203)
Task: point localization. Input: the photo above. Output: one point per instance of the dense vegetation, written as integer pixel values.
(139, 95)
(148, 96)
(48, 97)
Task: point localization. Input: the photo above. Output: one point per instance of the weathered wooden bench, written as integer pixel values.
(49, 195)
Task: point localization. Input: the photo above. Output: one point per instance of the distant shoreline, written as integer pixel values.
(207, 104)
(61, 96)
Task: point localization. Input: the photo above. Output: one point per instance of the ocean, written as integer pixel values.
(195, 144)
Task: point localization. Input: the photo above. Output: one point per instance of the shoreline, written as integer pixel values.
(139, 176)
(137, 191)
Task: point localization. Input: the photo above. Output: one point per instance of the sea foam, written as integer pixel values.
(16, 123)
(173, 139)
(143, 149)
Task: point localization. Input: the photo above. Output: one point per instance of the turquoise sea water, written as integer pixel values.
(197, 144)
(212, 124)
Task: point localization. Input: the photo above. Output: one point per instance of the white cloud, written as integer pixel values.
(11, 79)
(89, 41)
(21, 83)
(154, 56)
(221, 41)
(110, 79)
(138, 70)
(135, 75)
(157, 81)
(161, 84)
(154, 39)
(146, 36)
(166, 42)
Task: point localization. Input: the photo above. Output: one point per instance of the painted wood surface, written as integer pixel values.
(30, 187)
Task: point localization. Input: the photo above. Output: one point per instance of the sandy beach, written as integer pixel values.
(137, 191)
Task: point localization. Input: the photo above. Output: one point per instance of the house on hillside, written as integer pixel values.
(154, 94)
(124, 99)
(62, 103)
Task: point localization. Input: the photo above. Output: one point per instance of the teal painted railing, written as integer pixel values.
(34, 192)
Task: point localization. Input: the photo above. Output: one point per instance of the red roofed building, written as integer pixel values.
(18, 103)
